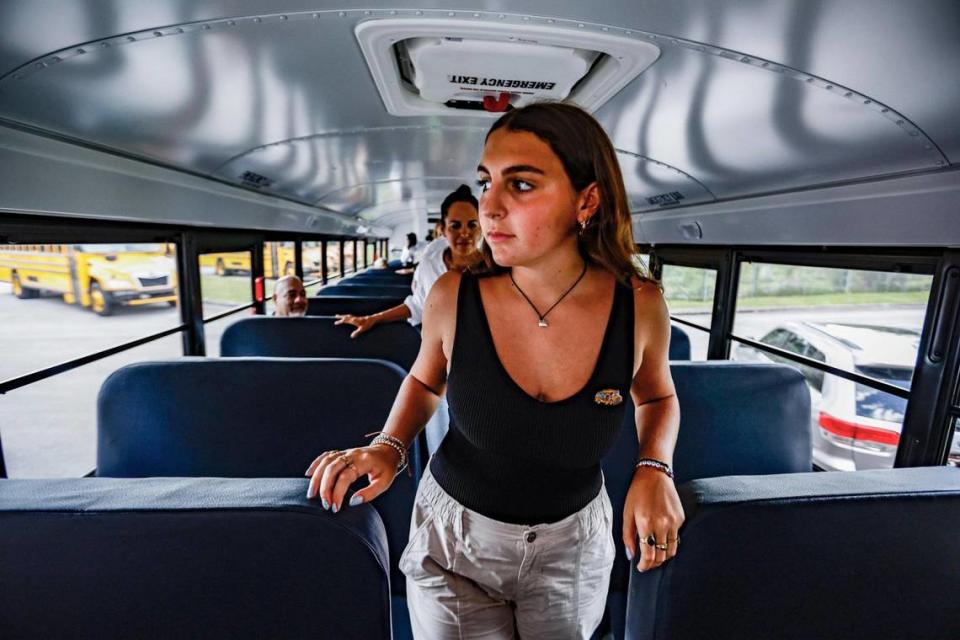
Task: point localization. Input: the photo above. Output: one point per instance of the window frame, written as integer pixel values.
(933, 401)
(28, 230)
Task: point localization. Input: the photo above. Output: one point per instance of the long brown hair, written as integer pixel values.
(587, 156)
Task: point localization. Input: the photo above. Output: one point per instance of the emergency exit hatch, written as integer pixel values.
(452, 67)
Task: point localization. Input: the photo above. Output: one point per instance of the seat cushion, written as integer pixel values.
(865, 554)
(177, 558)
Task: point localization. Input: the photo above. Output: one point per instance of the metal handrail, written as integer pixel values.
(880, 385)
(690, 324)
(48, 372)
(229, 312)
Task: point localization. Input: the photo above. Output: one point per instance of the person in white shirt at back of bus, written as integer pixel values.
(412, 253)
(455, 250)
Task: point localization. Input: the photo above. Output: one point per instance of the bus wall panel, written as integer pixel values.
(43, 176)
(918, 210)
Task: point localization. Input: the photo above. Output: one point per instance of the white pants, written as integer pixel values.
(469, 576)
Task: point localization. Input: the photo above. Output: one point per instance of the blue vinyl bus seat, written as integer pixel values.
(387, 280)
(394, 288)
(376, 281)
(383, 274)
(836, 555)
(366, 290)
(394, 264)
(315, 337)
(359, 305)
(182, 558)
(679, 344)
(251, 418)
(735, 418)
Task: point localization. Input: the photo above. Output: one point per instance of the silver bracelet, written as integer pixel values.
(659, 465)
(394, 443)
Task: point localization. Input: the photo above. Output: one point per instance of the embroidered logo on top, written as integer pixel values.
(608, 397)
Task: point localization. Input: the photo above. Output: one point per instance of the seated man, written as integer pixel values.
(289, 298)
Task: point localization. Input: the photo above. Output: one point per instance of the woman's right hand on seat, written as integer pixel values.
(362, 323)
(332, 473)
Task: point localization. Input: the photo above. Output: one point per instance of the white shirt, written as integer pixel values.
(428, 271)
(410, 254)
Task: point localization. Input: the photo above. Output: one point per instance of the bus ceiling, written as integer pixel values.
(325, 118)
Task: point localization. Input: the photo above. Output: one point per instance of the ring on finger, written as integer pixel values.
(661, 547)
(650, 540)
(674, 541)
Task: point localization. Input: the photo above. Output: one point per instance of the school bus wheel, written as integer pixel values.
(100, 301)
(19, 290)
(221, 267)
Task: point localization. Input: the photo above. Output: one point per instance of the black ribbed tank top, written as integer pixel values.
(512, 457)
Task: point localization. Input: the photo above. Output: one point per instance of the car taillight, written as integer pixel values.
(856, 431)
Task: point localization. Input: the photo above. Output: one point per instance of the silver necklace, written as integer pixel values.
(543, 316)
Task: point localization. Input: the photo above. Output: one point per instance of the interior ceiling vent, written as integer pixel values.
(454, 67)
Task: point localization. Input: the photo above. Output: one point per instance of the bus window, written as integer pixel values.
(864, 322)
(688, 292)
(333, 258)
(349, 265)
(312, 256)
(59, 302)
(642, 260)
(224, 284)
(49, 428)
(278, 261)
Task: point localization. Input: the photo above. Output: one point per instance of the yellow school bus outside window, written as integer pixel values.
(100, 277)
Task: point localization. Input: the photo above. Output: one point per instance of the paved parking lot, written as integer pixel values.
(48, 429)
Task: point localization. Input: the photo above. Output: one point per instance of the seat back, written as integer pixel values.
(181, 558)
(735, 418)
(330, 305)
(403, 287)
(250, 418)
(313, 337)
(366, 290)
(384, 275)
(679, 344)
(863, 554)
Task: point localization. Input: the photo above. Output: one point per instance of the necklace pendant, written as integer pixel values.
(542, 323)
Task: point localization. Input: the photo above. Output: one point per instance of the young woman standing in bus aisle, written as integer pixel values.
(456, 250)
(511, 527)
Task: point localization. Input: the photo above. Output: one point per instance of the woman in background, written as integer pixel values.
(456, 251)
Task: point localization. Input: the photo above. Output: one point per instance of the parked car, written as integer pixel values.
(853, 426)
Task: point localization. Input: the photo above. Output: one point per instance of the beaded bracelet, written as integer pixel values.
(659, 465)
(394, 443)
